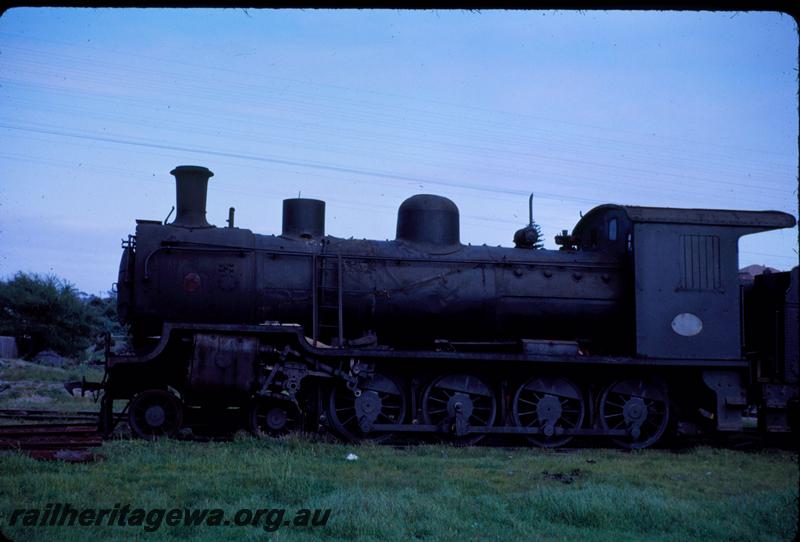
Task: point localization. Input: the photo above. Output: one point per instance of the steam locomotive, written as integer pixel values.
(637, 326)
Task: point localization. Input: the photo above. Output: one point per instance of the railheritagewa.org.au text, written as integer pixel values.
(153, 519)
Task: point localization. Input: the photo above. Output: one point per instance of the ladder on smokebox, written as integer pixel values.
(327, 298)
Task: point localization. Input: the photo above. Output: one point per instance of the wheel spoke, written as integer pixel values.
(484, 421)
(385, 417)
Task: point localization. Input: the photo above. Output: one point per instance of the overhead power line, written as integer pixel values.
(296, 163)
(509, 114)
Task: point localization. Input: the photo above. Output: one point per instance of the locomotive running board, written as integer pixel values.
(403, 356)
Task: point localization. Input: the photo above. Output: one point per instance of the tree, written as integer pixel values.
(46, 312)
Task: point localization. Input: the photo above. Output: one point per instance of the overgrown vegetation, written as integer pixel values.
(46, 312)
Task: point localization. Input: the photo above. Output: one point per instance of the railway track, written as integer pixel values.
(49, 436)
(71, 439)
(44, 415)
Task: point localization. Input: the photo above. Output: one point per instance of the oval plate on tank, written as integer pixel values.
(687, 324)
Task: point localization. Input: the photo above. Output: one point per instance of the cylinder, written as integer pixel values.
(303, 218)
(429, 220)
(191, 189)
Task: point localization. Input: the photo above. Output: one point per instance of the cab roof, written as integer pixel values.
(765, 220)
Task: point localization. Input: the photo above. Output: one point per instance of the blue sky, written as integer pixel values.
(365, 108)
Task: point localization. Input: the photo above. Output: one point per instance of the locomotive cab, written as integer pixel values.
(688, 305)
(605, 228)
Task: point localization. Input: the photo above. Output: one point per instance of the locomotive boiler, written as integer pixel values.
(635, 325)
(193, 272)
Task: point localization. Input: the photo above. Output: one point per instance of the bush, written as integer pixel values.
(48, 313)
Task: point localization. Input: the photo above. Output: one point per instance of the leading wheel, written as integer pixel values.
(273, 418)
(155, 413)
(380, 400)
(550, 404)
(459, 402)
(638, 406)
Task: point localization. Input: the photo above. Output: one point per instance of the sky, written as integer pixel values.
(364, 108)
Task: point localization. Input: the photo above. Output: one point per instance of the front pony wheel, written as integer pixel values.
(155, 413)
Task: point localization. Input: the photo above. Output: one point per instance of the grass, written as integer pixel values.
(430, 492)
(423, 492)
(28, 385)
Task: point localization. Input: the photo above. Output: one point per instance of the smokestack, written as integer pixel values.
(191, 188)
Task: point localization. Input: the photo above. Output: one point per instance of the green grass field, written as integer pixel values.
(417, 493)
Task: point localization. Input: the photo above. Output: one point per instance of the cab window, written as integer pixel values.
(612, 229)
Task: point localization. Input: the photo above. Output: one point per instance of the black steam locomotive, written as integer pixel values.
(636, 326)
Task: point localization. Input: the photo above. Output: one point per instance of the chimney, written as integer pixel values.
(191, 188)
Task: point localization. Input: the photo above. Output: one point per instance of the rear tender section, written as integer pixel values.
(771, 340)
